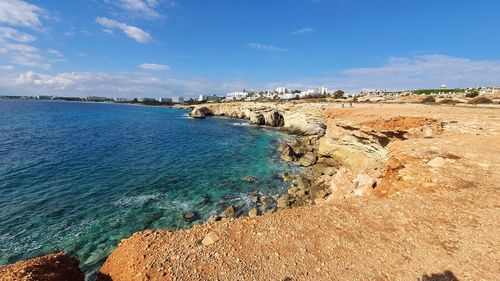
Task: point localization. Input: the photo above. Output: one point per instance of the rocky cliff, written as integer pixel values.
(402, 192)
(53, 267)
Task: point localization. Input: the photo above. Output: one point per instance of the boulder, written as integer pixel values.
(200, 112)
(274, 119)
(253, 212)
(229, 212)
(210, 238)
(308, 159)
(287, 152)
(286, 177)
(292, 190)
(267, 203)
(284, 201)
(303, 183)
(257, 119)
(254, 197)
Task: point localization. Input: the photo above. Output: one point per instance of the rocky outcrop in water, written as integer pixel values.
(52, 267)
(200, 112)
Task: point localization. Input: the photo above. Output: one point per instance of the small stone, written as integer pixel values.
(286, 177)
(209, 239)
(252, 213)
(436, 162)
(292, 190)
(283, 201)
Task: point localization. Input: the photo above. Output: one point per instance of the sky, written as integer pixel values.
(164, 48)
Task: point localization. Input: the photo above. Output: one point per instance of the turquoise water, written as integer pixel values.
(79, 177)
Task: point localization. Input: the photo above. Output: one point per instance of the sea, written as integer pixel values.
(79, 177)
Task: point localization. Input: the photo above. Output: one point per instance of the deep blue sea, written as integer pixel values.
(79, 177)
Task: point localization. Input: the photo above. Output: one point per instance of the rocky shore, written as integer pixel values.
(387, 192)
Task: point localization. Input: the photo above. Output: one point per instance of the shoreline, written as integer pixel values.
(390, 172)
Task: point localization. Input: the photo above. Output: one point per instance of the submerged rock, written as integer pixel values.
(190, 216)
(249, 179)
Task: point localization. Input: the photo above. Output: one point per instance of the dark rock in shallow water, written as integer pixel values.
(190, 216)
(205, 200)
(249, 179)
(254, 197)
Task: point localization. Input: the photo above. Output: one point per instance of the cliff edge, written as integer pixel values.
(409, 192)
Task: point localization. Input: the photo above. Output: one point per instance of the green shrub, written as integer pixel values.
(480, 100)
(338, 94)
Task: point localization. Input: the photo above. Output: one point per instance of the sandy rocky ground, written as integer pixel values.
(408, 192)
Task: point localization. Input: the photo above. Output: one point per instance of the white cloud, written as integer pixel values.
(399, 73)
(144, 8)
(133, 32)
(55, 53)
(424, 71)
(302, 31)
(265, 47)
(154, 66)
(23, 54)
(124, 84)
(20, 13)
(10, 34)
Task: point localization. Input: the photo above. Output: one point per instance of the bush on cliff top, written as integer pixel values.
(428, 99)
(480, 100)
(448, 101)
(472, 94)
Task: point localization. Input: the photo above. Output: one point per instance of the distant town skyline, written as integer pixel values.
(166, 48)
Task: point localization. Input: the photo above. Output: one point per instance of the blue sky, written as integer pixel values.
(161, 48)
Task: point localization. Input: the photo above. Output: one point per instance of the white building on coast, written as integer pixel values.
(236, 95)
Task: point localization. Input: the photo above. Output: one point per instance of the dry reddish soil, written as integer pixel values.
(434, 216)
(53, 267)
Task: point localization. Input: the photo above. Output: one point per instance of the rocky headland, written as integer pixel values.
(387, 192)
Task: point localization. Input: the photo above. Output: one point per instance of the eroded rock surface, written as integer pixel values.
(52, 267)
(402, 192)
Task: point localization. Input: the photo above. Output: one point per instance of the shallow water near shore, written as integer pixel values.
(79, 177)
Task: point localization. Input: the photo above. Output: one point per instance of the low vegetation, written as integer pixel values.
(435, 91)
(429, 99)
(480, 100)
(448, 101)
(472, 94)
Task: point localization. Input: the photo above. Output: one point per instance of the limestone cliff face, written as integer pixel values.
(52, 267)
(428, 170)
